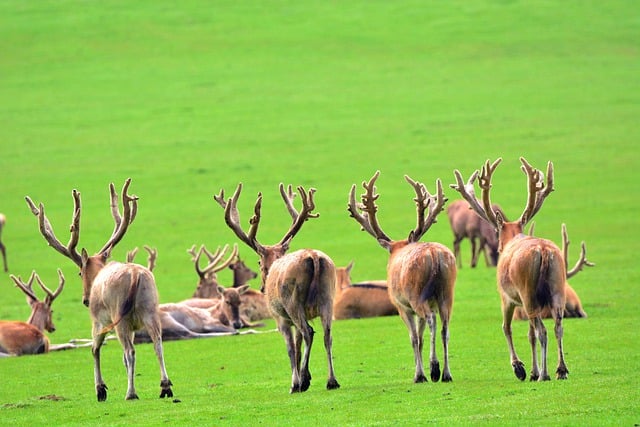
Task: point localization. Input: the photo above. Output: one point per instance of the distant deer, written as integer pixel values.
(299, 286)
(465, 223)
(20, 338)
(241, 273)
(3, 249)
(421, 276)
(119, 296)
(531, 271)
(358, 300)
(572, 306)
(253, 302)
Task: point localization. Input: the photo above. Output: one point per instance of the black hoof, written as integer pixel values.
(332, 385)
(562, 373)
(518, 369)
(295, 389)
(446, 378)
(420, 379)
(132, 397)
(166, 389)
(533, 377)
(435, 372)
(101, 391)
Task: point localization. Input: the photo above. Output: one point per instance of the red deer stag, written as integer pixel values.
(358, 300)
(3, 249)
(299, 286)
(531, 271)
(465, 223)
(208, 280)
(572, 305)
(421, 276)
(20, 338)
(119, 296)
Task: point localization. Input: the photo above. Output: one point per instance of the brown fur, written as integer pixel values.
(465, 223)
(358, 300)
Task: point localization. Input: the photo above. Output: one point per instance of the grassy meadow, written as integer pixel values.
(188, 98)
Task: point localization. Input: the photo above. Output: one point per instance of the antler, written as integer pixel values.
(131, 255)
(26, 287)
(214, 259)
(367, 218)
(47, 232)
(51, 296)
(153, 256)
(424, 200)
(232, 217)
(582, 261)
(122, 222)
(308, 206)
(537, 190)
(467, 191)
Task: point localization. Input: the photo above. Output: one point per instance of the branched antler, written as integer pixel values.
(232, 217)
(425, 200)
(365, 212)
(582, 261)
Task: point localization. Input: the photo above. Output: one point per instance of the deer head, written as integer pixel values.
(208, 281)
(41, 313)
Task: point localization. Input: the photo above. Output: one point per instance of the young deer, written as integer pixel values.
(531, 271)
(421, 276)
(572, 305)
(358, 300)
(119, 296)
(19, 338)
(299, 286)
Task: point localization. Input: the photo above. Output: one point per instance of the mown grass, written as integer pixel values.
(187, 99)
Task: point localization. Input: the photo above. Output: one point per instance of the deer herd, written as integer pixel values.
(299, 286)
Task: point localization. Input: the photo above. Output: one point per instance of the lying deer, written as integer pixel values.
(421, 276)
(299, 286)
(120, 297)
(572, 305)
(531, 271)
(465, 223)
(20, 338)
(357, 300)
(3, 249)
(207, 277)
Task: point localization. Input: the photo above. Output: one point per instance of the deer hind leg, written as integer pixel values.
(306, 332)
(416, 342)
(4, 256)
(507, 317)
(434, 364)
(456, 250)
(446, 374)
(98, 339)
(332, 382)
(562, 371)
(284, 326)
(125, 336)
(541, 334)
(475, 252)
(535, 373)
(155, 333)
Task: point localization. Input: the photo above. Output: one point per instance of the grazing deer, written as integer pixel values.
(572, 305)
(421, 276)
(3, 249)
(299, 286)
(20, 338)
(531, 271)
(357, 300)
(465, 223)
(119, 296)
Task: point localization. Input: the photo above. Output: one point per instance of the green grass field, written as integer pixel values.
(188, 98)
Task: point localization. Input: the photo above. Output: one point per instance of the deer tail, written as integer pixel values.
(312, 295)
(429, 287)
(543, 291)
(128, 304)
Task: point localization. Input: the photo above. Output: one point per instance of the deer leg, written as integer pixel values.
(155, 333)
(535, 373)
(474, 252)
(285, 329)
(307, 333)
(125, 336)
(332, 382)
(541, 333)
(416, 343)
(98, 339)
(4, 256)
(456, 250)
(434, 364)
(562, 371)
(444, 317)
(507, 317)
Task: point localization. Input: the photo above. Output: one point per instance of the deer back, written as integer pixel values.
(19, 338)
(420, 272)
(531, 272)
(304, 278)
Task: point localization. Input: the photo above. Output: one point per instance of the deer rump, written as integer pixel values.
(304, 278)
(538, 265)
(13, 334)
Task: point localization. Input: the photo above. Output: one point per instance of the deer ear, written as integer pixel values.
(243, 289)
(221, 289)
(500, 218)
(349, 267)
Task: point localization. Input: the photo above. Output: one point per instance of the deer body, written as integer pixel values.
(531, 272)
(465, 223)
(298, 286)
(358, 300)
(420, 276)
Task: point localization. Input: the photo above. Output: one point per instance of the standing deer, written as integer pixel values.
(465, 223)
(3, 249)
(358, 300)
(421, 276)
(531, 271)
(299, 286)
(119, 296)
(19, 338)
(572, 305)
